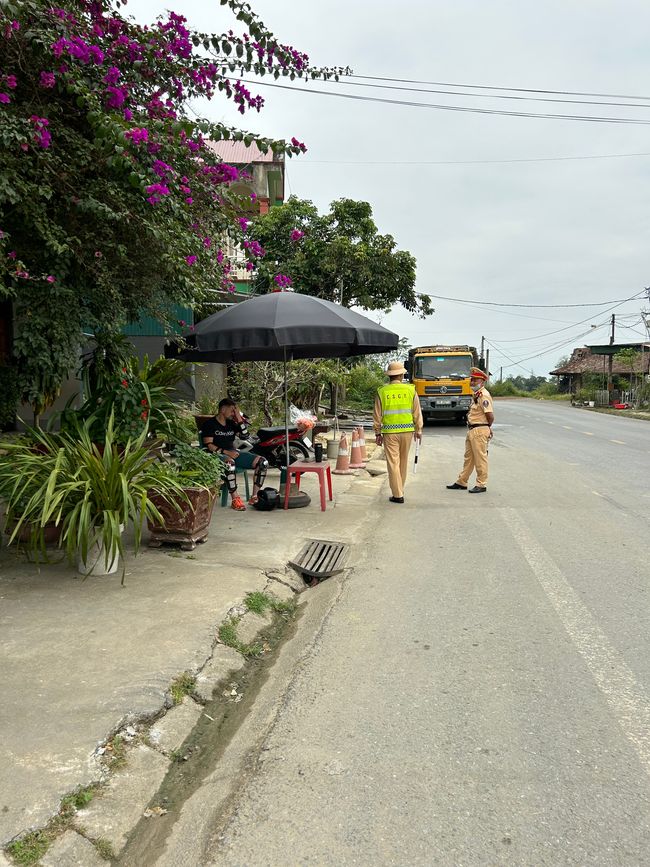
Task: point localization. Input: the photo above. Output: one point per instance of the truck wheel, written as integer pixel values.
(461, 417)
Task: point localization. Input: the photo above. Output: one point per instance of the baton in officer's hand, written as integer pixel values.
(417, 455)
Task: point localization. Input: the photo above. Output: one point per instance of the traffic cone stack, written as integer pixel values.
(343, 460)
(356, 461)
(362, 444)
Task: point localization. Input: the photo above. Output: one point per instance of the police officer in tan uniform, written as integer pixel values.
(397, 421)
(480, 419)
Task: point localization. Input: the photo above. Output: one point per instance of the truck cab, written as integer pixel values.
(441, 378)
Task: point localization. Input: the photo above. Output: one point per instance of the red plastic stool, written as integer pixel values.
(300, 467)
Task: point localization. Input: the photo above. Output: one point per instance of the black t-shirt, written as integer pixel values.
(223, 435)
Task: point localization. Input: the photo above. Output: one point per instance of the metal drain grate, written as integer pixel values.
(319, 560)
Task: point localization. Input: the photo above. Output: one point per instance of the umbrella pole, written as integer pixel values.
(286, 414)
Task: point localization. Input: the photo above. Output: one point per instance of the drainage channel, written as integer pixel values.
(201, 752)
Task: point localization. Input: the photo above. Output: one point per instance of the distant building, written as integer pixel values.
(595, 360)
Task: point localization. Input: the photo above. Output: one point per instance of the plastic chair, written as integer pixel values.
(224, 488)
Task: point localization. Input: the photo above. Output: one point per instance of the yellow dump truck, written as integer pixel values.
(441, 378)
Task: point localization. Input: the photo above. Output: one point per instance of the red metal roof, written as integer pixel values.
(237, 153)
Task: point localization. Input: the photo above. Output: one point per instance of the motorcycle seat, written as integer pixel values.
(265, 433)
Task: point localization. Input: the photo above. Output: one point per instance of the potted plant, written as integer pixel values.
(187, 520)
(90, 492)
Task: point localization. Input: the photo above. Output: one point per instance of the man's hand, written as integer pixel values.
(491, 434)
(417, 436)
(378, 439)
(238, 417)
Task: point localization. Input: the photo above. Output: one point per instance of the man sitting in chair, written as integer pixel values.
(218, 436)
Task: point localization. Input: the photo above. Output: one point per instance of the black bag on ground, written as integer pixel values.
(267, 500)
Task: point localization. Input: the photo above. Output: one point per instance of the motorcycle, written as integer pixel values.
(271, 443)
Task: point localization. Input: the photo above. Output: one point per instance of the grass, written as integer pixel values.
(104, 848)
(31, 848)
(228, 636)
(115, 753)
(181, 686)
(78, 799)
(259, 603)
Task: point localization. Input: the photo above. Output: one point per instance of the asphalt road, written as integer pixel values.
(480, 692)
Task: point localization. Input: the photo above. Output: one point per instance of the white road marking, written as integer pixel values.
(596, 493)
(618, 442)
(566, 427)
(627, 699)
(586, 433)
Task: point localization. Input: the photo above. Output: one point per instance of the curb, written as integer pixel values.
(149, 744)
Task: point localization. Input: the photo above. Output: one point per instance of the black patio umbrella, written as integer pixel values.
(283, 326)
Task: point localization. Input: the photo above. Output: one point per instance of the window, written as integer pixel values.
(442, 366)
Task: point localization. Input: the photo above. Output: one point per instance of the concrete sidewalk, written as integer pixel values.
(80, 658)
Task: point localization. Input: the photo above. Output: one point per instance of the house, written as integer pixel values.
(594, 360)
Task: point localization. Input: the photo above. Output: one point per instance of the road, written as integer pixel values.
(479, 693)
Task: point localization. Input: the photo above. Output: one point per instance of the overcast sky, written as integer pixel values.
(555, 232)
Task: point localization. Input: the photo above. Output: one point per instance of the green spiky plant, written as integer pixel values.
(90, 490)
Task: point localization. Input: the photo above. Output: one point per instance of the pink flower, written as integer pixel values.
(219, 256)
(128, 114)
(298, 144)
(190, 260)
(282, 281)
(189, 200)
(137, 135)
(207, 243)
(12, 255)
(42, 135)
(296, 235)
(5, 99)
(243, 223)
(116, 96)
(47, 79)
(12, 82)
(50, 278)
(112, 75)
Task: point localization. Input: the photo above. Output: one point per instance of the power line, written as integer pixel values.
(454, 108)
(554, 347)
(518, 96)
(308, 161)
(494, 87)
(551, 306)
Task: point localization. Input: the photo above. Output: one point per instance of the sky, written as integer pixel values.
(544, 232)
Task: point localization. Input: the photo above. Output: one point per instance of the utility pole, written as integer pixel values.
(610, 359)
(501, 374)
(482, 355)
(487, 362)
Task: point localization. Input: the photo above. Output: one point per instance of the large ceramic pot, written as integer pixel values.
(187, 526)
(51, 533)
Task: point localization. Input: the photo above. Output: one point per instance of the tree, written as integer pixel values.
(111, 201)
(339, 256)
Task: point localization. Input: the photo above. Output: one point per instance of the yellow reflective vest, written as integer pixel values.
(397, 407)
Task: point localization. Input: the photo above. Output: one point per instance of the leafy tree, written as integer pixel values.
(339, 256)
(111, 201)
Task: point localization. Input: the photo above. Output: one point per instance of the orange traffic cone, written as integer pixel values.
(362, 444)
(343, 460)
(356, 461)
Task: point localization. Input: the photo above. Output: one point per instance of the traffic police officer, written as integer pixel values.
(397, 422)
(480, 419)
